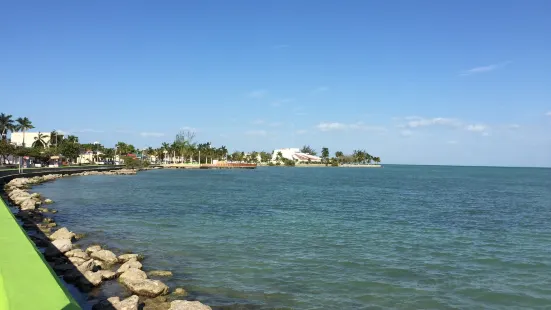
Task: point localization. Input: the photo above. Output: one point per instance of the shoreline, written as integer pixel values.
(87, 269)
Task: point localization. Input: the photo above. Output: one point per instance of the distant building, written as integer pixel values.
(295, 155)
(89, 157)
(32, 139)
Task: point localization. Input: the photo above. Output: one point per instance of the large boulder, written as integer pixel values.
(114, 303)
(18, 200)
(136, 281)
(133, 274)
(28, 204)
(126, 257)
(188, 305)
(93, 278)
(105, 256)
(77, 253)
(86, 266)
(63, 245)
(62, 233)
(93, 248)
(157, 303)
(129, 264)
(107, 274)
(77, 260)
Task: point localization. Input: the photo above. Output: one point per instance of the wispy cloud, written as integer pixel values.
(258, 133)
(87, 130)
(326, 126)
(548, 113)
(151, 134)
(331, 126)
(189, 128)
(281, 102)
(275, 124)
(415, 122)
(320, 89)
(513, 126)
(257, 94)
(301, 131)
(258, 122)
(484, 69)
(406, 133)
(476, 128)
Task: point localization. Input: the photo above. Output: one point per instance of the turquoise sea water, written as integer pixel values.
(329, 238)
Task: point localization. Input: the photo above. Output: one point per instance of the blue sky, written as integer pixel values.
(421, 82)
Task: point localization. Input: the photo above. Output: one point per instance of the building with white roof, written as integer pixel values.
(295, 155)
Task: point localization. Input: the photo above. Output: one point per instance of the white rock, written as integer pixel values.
(188, 305)
(86, 266)
(28, 204)
(77, 260)
(129, 264)
(63, 245)
(133, 274)
(78, 253)
(130, 303)
(136, 281)
(93, 277)
(126, 257)
(105, 256)
(107, 274)
(62, 233)
(93, 248)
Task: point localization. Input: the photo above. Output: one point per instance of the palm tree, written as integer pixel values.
(325, 155)
(6, 124)
(339, 155)
(54, 136)
(368, 157)
(377, 159)
(279, 156)
(40, 141)
(165, 150)
(24, 124)
(109, 153)
(72, 139)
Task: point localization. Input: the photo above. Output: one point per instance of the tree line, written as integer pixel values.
(183, 149)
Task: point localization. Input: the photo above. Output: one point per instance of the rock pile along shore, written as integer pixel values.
(91, 267)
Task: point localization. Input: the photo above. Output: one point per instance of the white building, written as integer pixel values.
(296, 155)
(32, 139)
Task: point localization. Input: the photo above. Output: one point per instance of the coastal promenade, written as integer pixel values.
(26, 280)
(222, 165)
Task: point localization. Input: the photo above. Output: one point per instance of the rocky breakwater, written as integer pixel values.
(90, 268)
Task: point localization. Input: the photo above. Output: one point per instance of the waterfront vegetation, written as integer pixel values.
(183, 149)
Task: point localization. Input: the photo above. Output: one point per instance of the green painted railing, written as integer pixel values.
(26, 280)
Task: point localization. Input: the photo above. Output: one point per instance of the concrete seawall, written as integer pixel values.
(26, 280)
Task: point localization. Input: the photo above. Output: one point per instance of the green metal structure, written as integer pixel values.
(26, 281)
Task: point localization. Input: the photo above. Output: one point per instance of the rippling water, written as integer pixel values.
(329, 238)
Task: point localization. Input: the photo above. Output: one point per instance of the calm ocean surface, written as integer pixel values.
(329, 238)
